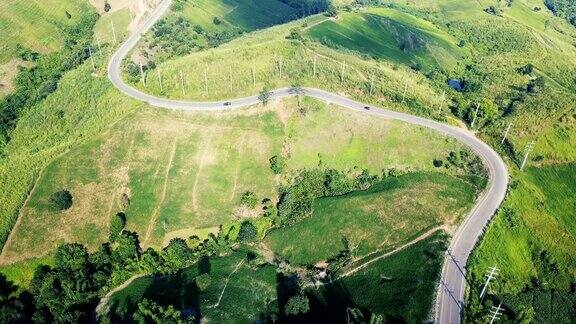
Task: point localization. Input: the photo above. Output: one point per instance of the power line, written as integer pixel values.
(506, 133)
(492, 273)
(496, 312)
(475, 115)
(528, 149)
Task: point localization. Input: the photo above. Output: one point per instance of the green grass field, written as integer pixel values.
(390, 213)
(185, 172)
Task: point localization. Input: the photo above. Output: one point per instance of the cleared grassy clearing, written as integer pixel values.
(245, 291)
(391, 35)
(386, 215)
(185, 172)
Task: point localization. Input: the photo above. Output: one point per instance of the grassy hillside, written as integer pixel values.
(516, 61)
(391, 35)
(384, 216)
(185, 172)
(32, 26)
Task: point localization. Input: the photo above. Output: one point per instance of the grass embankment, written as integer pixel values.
(388, 214)
(184, 173)
(267, 59)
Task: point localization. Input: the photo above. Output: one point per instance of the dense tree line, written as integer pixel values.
(296, 201)
(31, 85)
(308, 7)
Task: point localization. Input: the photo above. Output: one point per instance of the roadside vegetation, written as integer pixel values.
(227, 197)
(488, 64)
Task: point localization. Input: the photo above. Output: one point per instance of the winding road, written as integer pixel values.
(452, 285)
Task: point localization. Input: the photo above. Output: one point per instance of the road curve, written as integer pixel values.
(452, 282)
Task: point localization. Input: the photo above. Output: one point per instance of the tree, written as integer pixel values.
(107, 6)
(61, 200)
(535, 85)
(248, 232)
(126, 247)
(151, 312)
(176, 254)
(277, 164)
(217, 21)
(297, 305)
(298, 91)
(249, 199)
(117, 224)
(437, 163)
(265, 96)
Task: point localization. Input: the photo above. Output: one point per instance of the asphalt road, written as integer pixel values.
(452, 283)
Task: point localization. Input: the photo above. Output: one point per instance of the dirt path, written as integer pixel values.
(227, 281)
(154, 217)
(382, 256)
(106, 299)
(240, 146)
(200, 167)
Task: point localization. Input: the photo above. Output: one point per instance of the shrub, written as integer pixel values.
(61, 200)
(217, 21)
(297, 305)
(277, 164)
(249, 199)
(248, 232)
(437, 163)
(117, 224)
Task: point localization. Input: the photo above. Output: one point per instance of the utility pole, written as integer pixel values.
(230, 77)
(528, 148)
(206, 77)
(442, 102)
(280, 67)
(182, 83)
(113, 32)
(496, 311)
(159, 79)
(315, 56)
(254, 75)
(475, 115)
(506, 133)
(371, 83)
(98, 43)
(91, 58)
(492, 273)
(404, 94)
(142, 75)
